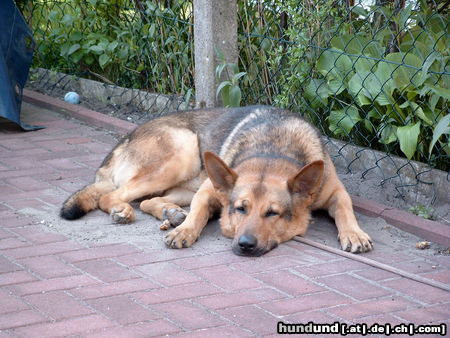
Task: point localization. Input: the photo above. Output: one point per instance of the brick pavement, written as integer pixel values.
(54, 284)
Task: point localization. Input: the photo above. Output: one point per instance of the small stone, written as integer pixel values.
(422, 245)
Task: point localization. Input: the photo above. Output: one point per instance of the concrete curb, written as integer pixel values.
(429, 230)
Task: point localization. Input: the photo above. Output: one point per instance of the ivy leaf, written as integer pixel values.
(407, 136)
(342, 121)
(104, 60)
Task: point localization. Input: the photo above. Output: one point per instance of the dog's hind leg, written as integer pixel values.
(168, 207)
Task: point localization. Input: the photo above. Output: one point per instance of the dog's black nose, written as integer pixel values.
(247, 243)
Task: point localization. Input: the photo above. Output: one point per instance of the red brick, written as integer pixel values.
(77, 140)
(106, 270)
(65, 328)
(23, 172)
(6, 234)
(426, 315)
(6, 190)
(310, 316)
(354, 287)
(375, 274)
(441, 276)
(289, 283)
(261, 264)
(37, 235)
(9, 303)
(123, 310)
(57, 305)
(218, 332)
(27, 183)
(48, 267)
(17, 144)
(416, 267)
(419, 291)
(174, 293)
(12, 243)
(42, 249)
(62, 283)
(252, 318)
(188, 315)
(315, 301)
(62, 164)
(15, 277)
(26, 205)
(380, 319)
(15, 221)
(168, 273)
(113, 289)
(209, 260)
(228, 279)
(335, 267)
(225, 300)
(372, 308)
(7, 266)
(156, 328)
(107, 251)
(156, 255)
(21, 318)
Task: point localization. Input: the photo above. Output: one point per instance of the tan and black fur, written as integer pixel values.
(263, 168)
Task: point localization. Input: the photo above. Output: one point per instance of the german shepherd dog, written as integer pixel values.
(264, 168)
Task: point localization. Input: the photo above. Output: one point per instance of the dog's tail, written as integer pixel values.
(85, 200)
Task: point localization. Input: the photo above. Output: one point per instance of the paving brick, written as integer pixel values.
(54, 284)
(354, 287)
(331, 268)
(10, 303)
(168, 273)
(68, 327)
(156, 328)
(106, 270)
(123, 310)
(42, 249)
(12, 243)
(174, 293)
(6, 234)
(27, 183)
(189, 315)
(7, 266)
(317, 316)
(23, 172)
(380, 319)
(252, 318)
(17, 144)
(106, 251)
(156, 255)
(15, 277)
(14, 221)
(6, 190)
(62, 164)
(209, 260)
(261, 264)
(375, 274)
(48, 267)
(57, 305)
(21, 318)
(315, 301)
(418, 291)
(76, 140)
(228, 279)
(37, 235)
(426, 315)
(115, 288)
(30, 205)
(289, 283)
(246, 297)
(417, 266)
(372, 308)
(218, 332)
(441, 276)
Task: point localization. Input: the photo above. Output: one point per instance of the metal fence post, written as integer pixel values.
(215, 27)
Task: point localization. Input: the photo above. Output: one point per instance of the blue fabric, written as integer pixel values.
(16, 55)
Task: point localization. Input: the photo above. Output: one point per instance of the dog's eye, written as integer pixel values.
(271, 213)
(241, 209)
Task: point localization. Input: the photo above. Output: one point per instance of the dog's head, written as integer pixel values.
(263, 205)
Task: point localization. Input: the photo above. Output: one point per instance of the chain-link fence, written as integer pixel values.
(369, 73)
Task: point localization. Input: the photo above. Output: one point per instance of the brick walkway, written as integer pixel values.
(54, 284)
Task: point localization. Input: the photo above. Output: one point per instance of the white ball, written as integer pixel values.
(72, 97)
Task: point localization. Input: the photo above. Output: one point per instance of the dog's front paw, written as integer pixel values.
(355, 241)
(122, 213)
(181, 237)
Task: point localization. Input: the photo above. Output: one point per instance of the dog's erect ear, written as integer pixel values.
(307, 180)
(221, 176)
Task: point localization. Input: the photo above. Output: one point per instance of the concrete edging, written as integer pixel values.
(429, 230)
